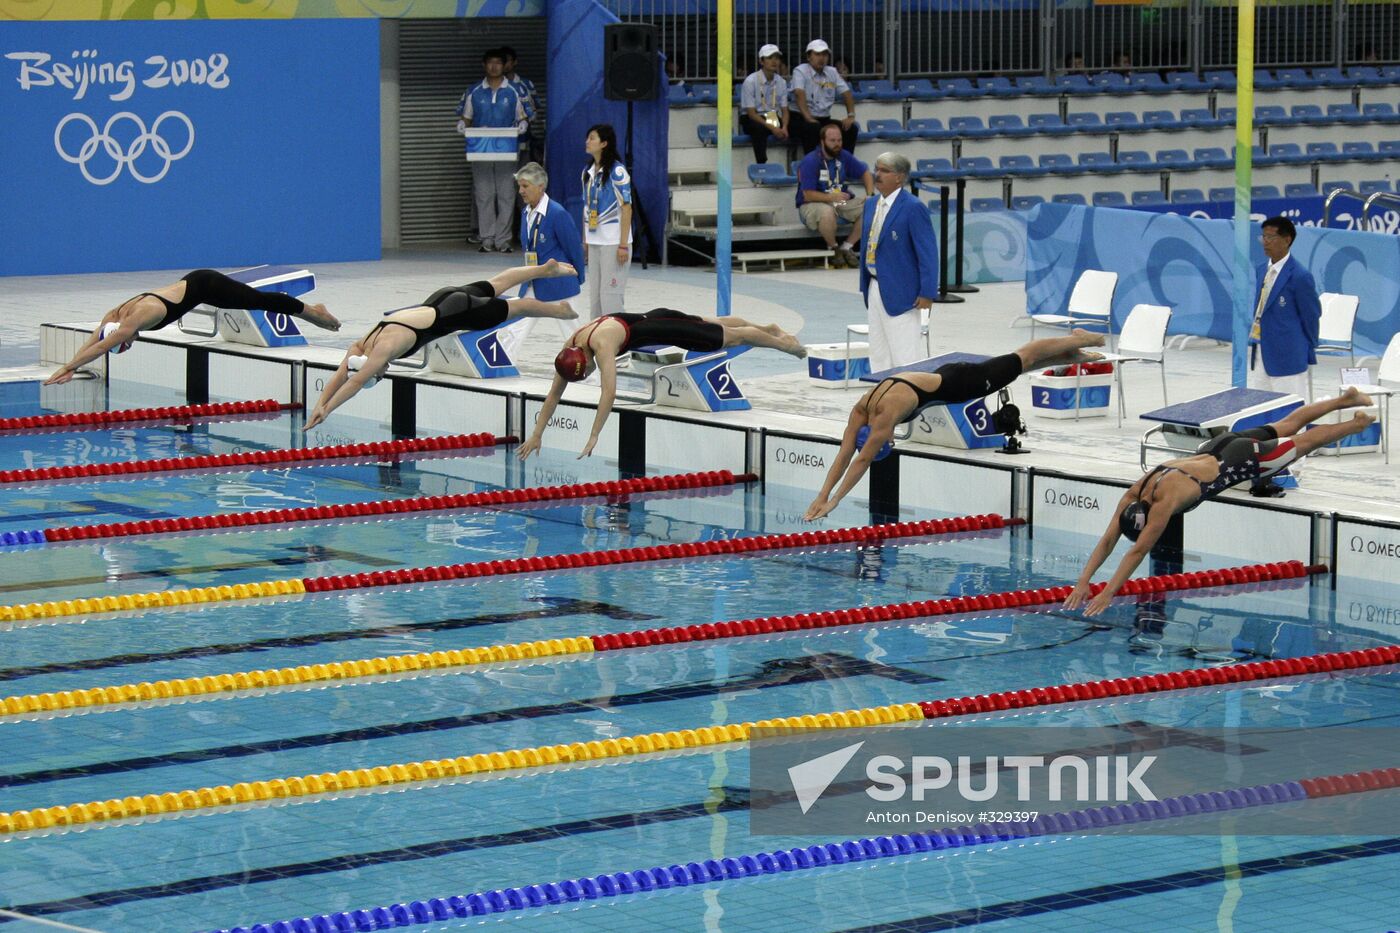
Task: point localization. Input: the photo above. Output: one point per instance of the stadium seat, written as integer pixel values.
(704, 93)
(1149, 197)
(967, 126)
(879, 89)
(1099, 161)
(1026, 201)
(1074, 84)
(1378, 111)
(1035, 84)
(1187, 195)
(999, 85)
(1211, 155)
(1222, 194)
(1331, 77)
(678, 95)
(1378, 185)
(987, 204)
(1329, 186)
(1192, 116)
(976, 166)
(1365, 75)
(1022, 165)
(1308, 113)
(1321, 152)
(1084, 118)
(1225, 114)
(1260, 192)
(1173, 157)
(1069, 199)
(1147, 80)
(770, 175)
(928, 128)
(1271, 114)
(1295, 77)
(1186, 81)
(1121, 118)
(1162, 119)
(957, 87)
(1359, 150)
(1345, 113)
(887, 129)
(708, 133)
(928, 166)
(1110, 199)
(1286, 153)
(1389, 148)
(1056, 161)
(1134, 157)
(918, 88)
(1108, 79)
(1043, 122)
(1300, 190)
(1226, 79)
(1007, 123)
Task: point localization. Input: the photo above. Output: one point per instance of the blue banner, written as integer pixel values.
(1362, 264)
(175, 145)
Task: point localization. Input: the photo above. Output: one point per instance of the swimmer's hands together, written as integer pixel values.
(1095, 606)
(819, 508)
(60, 377)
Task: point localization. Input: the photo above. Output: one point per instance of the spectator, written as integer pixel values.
(763, 100)
(1074, 63)
(823, 195)
(1123, 62)
(547, 232)
(879, 69)
(1284, 337)
(899, 271)
(815, 87)
(607, 221)
(675, 69)
(843, 68)
(493, 103)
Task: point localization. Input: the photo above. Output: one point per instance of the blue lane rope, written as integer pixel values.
(525, 897)
(28, 536)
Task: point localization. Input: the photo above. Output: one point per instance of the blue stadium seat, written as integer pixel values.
(1134, 157)
(1308, 113)
(1389, 148)
(979, 205)
(1380, 185)
(886, 129)
(1390, 74)
(1108, 80)
(1035, 84)
(770, 175)
(1026, 201)
(1022, 165)
(1084, 118)
(918, 88)
(1359, 150)
(957, 87)
(1295, 77)
(1173, 157)
(1300, 190)
(1186, 81)
(1286, 153)
(998, 84)
(1007, 123)
(1057, 161)
(930, 166)
(1271, 114)
(1259, 192)
(1226, 79)
(1256, 152)
(1365, 75)
(1199, 116)
(1149, 197)
(1147, 80)
(1344, 113)
(1331, 77)
(678, 95)
(708, 133)
(1121, 118)
(1043, 122)
(1069, 199)
(1110, 199)
(1330, 186)
(1074, 84)
(1321, 152)
(704, 93)
(1211, 156)
(1099, 161)
(928, 128)
(976, 166)
(1225, 115)
(1222, 194)
(967, 126)
(1378, 111)
(1162, 119)
(879, 89)
(1187, 195)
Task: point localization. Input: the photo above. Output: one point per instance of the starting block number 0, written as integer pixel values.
(281, 324)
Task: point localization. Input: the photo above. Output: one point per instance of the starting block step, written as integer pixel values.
(259, 328)
(480, 354)
(1183, 427)
(698, 380)
(963, 426)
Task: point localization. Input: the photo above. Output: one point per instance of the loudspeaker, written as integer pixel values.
(630, 61)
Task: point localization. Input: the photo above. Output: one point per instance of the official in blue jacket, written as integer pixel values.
(899, 266)
(1287, 314)
(547, 232)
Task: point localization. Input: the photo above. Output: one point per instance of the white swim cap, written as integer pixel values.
(110, 328)
(356, 363)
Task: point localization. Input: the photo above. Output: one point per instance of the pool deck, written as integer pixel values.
(817, 303)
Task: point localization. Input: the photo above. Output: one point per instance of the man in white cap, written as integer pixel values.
(763, 102)
(815, 87)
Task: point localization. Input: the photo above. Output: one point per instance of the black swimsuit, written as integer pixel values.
(459, 308)
(960, 382)
(1244, 456)
(660, 327)
(207, 287)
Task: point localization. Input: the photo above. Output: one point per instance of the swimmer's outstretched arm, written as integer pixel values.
(850, 463)
(340, 388)
(1157, 520)
(94, 348)
(607, 374)
(551, 402)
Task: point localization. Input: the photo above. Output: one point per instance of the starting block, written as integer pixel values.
(1184, 427)
(695, 379)
(963, 426)
(479, 354)
(258, 328)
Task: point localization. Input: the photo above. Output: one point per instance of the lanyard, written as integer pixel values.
(770, 103)
(595, 190)
(833, 175)
(534, 234)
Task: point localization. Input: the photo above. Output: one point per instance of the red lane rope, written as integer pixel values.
(283, 457)
(864, 535)
(686, 481)
(862, 615)
(91, 420)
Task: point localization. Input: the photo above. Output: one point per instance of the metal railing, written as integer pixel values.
(937, 38)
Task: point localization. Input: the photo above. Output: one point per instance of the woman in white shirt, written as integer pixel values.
(607, 222)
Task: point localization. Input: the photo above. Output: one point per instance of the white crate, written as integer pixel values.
(1054, 396)
(827, 364)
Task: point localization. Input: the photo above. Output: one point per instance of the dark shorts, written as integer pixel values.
(665, 327)
(963, 382)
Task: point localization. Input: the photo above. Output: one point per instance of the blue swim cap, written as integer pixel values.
(863, 435)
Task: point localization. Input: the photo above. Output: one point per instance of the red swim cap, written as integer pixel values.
(571, 363)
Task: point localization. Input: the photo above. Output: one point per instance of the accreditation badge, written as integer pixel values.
(772, 119)
(592, 219)
(531, 258)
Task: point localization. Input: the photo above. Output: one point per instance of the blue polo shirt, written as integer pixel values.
(818, 173)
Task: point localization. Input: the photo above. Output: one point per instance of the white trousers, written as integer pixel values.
(894, 341)
(607, 279)
(1297, 383)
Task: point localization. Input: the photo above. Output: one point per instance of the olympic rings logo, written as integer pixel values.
(123, 156)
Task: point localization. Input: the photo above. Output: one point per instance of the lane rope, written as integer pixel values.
(515, 761)
(93, 420)
(97, 698)
(803, 858)
(862, 535)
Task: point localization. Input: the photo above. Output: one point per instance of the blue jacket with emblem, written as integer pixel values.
(559, 238)
(1288, 327)
(906, 256)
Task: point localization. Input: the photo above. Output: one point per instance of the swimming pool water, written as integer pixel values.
(222, 869)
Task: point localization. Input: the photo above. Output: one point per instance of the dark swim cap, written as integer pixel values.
(863, 435)
(1133, 519)
(571, 363)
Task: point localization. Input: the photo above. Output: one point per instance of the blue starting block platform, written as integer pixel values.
(963, 426)
(478, 354)
(258, 328)
(1185, 426)
(699, 380)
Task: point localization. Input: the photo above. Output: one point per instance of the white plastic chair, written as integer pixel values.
(1336, 328)
(863, 330)
(1143, 340)
(1387, 384)
(1091, 302)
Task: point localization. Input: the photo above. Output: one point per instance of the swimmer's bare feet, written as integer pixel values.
(1086, 338)
(1087, 356)
(1362, 420)
(773, 329)
(1354, 398)
(554, 269)
(318, 315)
(563, 310)
(795, 347)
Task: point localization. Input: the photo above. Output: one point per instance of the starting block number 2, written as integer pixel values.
(722, 382)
